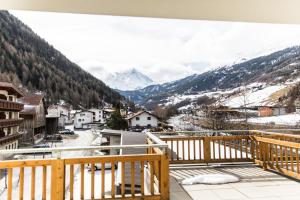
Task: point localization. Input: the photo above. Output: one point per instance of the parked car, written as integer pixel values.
(98, 166)
(67, 132)
(54, 137)
(41, 146)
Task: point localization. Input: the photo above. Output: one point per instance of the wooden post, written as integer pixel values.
(206, 148)
(164, 177)
(57, 179)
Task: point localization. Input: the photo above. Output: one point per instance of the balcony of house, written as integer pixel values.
(267, 165)
(9, 138)
(10, 106)
(10, 122)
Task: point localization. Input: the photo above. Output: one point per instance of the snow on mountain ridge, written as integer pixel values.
(128, 80)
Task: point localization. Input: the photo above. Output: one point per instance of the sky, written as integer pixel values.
(163, 49)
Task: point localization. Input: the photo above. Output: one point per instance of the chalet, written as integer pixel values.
(143, 119)
(63, 113)
(9, 116)
(34, 115)
(83, 119)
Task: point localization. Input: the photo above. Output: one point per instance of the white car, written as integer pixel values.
(98, 166)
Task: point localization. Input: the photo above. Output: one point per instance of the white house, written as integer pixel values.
(83, 119)
(143, 119)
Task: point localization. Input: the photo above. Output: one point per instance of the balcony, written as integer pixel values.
(10, 122)
(9, 138)
(251, 155)
(10, 106)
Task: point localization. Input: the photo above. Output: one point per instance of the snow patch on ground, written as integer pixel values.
(211, 179)
(289, 119)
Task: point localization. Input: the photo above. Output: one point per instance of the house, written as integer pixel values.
(83, 119)
(34, 115)
(267, 111)
(63, 114)
(143, 119)
(52, 119)
(9, 116)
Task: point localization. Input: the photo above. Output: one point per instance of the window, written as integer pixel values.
(79, 120)
(137, 118)
(148, 125)
(149, 118)
(81, 115)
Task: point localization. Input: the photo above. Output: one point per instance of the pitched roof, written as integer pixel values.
(139, 113)
(10, 88)
(34, 99)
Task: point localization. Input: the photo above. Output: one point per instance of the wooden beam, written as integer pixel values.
(266, 11)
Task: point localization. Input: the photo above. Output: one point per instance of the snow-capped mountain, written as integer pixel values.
(128, 80)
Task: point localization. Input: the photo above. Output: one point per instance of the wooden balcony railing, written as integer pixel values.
(10, 106)
(274, 151)
(9, 138)
(58, 180)
(10, 122)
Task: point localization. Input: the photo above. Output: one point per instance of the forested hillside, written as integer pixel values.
(30, 60)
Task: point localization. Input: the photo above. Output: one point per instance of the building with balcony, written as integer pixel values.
(9, 116)
(34, 115)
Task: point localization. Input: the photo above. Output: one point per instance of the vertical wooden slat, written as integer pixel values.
(142, 179)
(21, 188)
(230, 151)
(44, 184)
(292, 159)
(123, 179)
(225, 149)
(57, 179)
(102, 180)
(32, 183)
(213, 149)
(241, 148)
(206, 149)
(9, 184)
(183, 156)
(164, 178)
(132, 176)
(177, 146)
(82, 181)
(71, 182)
(194, 152)
(171, 151)
(297, 160)
(152, 177)
(200, 149)
(112, 179)
(286, 158)
(276, 158)
(281, 157)
(189, 150)
(92, 181)
(235, 149)
(219, 148)
(246, 148)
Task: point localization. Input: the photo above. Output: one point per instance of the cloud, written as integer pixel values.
(164, 49)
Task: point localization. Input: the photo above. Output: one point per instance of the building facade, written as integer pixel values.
(34, 114)
(83, 119)
(9, 116)
(143, 119)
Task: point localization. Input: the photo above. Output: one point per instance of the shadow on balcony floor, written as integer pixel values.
(255, 183)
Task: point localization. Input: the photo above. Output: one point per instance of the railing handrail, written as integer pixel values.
(231, 131)
(88, 148)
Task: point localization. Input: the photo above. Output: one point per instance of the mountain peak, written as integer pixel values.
(131, 79)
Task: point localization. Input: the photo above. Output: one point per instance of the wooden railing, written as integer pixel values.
(10, 105)
(69, 178)
(209, 149)
(10, 122)
(10, 138)
(273, 151)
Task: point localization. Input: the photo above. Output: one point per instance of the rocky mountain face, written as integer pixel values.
(28, 60)
(275, 68)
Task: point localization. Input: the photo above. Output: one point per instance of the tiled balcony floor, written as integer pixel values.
(255, 184)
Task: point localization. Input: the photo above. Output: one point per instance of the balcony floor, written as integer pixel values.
(255, 184)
